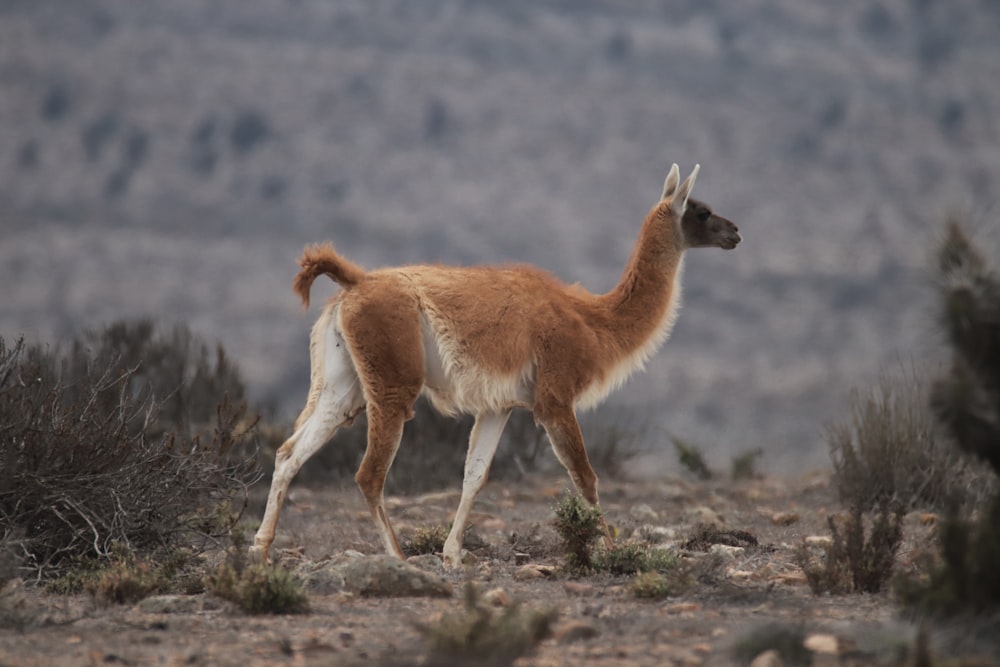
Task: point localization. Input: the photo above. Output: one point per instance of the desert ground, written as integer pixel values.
(749, 593)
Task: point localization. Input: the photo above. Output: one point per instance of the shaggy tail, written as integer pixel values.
(319, 259)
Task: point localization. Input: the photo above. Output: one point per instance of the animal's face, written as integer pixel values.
(704, 229)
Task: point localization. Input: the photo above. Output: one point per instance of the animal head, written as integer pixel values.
(701, 227)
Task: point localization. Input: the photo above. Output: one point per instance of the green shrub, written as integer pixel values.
(479, 634)
(634, 557)
(691, 459)
(98, 447)
(745, 465)
(259, 589)
(579, 525)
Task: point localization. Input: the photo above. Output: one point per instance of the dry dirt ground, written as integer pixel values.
(600, 622)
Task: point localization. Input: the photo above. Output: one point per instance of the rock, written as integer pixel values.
(386, 576)
(726, 552)
(819, 540)
(578, 588)
(784, 518)
(497, 597)
(574, 631)
(657, 534)
(769, 658)
(428, 562)
(643, 512)
(821, 643)
(323, 579)
(682, 608)
(177, 604)
(704, 515)
(534, 571)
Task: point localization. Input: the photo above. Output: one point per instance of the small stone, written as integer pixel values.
(533, 571)
(820, 643)
(578, 588)
(469, 558)
(726, 552)
(497, 597)
(574, 631)
(784, 518)
(769, 658)
(657, 534)
(819, 540)
(681, 608)
(643, 512)
(793, 578)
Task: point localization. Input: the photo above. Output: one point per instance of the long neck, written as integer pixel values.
(641, 306)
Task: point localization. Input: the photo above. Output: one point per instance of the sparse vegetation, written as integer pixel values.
(256, 588)
(967, 403)
(889, 450)
(744, 465)
(479, 634)
(100, 449)
(426, 541)
(691, 459)
(853, 562)
(578, 525)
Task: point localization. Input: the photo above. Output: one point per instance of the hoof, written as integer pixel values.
(258, 556)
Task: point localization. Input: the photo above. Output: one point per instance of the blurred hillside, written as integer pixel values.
(171, 158)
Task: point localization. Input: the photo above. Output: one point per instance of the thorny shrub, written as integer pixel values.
(479, 634)
(99, 449)
(966, 402)
(889, 450)
(852, 561)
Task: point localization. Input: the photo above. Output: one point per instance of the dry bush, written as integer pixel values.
(853, 562)
(425, 541)
(480, 634)
(889, 451)
(91, 462)
(967, 403)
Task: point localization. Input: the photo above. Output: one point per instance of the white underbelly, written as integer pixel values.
(455, 384)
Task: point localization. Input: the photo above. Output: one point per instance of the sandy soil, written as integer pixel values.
(600, 622)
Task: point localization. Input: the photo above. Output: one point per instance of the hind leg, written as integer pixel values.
(339, 400)
(385, 430)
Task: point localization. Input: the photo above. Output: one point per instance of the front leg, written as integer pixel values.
(482, 446)
(566, 439)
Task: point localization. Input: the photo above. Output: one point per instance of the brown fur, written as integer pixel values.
(483, 340)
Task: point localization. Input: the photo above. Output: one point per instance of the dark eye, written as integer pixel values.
(704, 214)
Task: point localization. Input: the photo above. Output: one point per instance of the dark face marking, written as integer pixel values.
(704, 229)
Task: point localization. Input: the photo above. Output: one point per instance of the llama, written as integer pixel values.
(483, 341)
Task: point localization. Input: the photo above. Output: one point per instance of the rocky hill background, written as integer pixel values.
(170, 159)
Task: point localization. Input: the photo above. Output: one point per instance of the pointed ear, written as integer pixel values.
(679, 201)
(673, 178)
